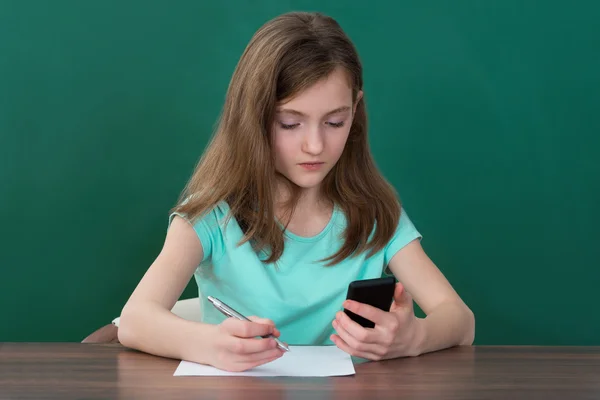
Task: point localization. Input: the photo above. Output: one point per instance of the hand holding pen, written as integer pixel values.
(238, 345)
(230, 312)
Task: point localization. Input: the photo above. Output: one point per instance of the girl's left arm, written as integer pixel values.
(449, 321)
(398, 332)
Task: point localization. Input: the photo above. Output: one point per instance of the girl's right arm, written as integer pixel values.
(147, 323)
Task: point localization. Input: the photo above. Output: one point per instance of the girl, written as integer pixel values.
(283, 211)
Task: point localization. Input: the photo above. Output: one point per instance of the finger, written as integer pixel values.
(244, 366)
(259, 320)
(265, 321)
(356, 344)
(246, 329)
(365, 335)
(250, 345)
(263, 355)
(401, 296)
(374, 314)
(342, 345)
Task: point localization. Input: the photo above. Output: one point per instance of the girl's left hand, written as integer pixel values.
(396, 333)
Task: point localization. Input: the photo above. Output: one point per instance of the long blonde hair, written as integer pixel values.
(285, 56)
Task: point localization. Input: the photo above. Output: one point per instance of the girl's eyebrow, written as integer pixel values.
(301, 114)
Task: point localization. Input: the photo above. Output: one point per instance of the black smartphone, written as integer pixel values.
(378, 292)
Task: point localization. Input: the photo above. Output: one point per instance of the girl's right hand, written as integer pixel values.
(238, 346)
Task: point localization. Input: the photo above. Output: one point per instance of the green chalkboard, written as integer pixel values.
(484, 115)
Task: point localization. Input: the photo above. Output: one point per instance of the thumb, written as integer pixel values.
(401, 297)
(265, 321)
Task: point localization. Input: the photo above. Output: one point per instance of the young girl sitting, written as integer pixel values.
(285, 208)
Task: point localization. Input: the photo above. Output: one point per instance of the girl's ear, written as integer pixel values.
(359, 97)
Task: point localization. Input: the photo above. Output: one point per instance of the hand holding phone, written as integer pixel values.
(378, 292)
(386, 327)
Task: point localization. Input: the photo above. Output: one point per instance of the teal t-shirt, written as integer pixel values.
(300, 295)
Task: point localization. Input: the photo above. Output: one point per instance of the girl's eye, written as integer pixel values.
(293, 126)
(288, 126)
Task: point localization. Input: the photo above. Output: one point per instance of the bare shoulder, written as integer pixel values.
(181, 235)
(422, 278)
(169, 274)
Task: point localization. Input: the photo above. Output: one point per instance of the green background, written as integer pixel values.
(484, 115)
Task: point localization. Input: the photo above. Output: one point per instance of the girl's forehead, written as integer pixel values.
(331, 93)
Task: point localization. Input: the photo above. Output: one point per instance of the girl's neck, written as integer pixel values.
(310, 201)
(311, 213)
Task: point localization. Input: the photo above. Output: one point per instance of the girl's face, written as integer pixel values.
(310, 130)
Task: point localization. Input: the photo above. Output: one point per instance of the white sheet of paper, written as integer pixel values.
(299, 361)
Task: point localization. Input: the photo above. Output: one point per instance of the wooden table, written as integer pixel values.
(109, 371)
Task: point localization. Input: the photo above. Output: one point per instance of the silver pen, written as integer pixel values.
(230, 312)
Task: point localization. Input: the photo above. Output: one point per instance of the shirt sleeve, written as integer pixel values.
(405, 233)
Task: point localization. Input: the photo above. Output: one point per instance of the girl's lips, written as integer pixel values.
(312, 166)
